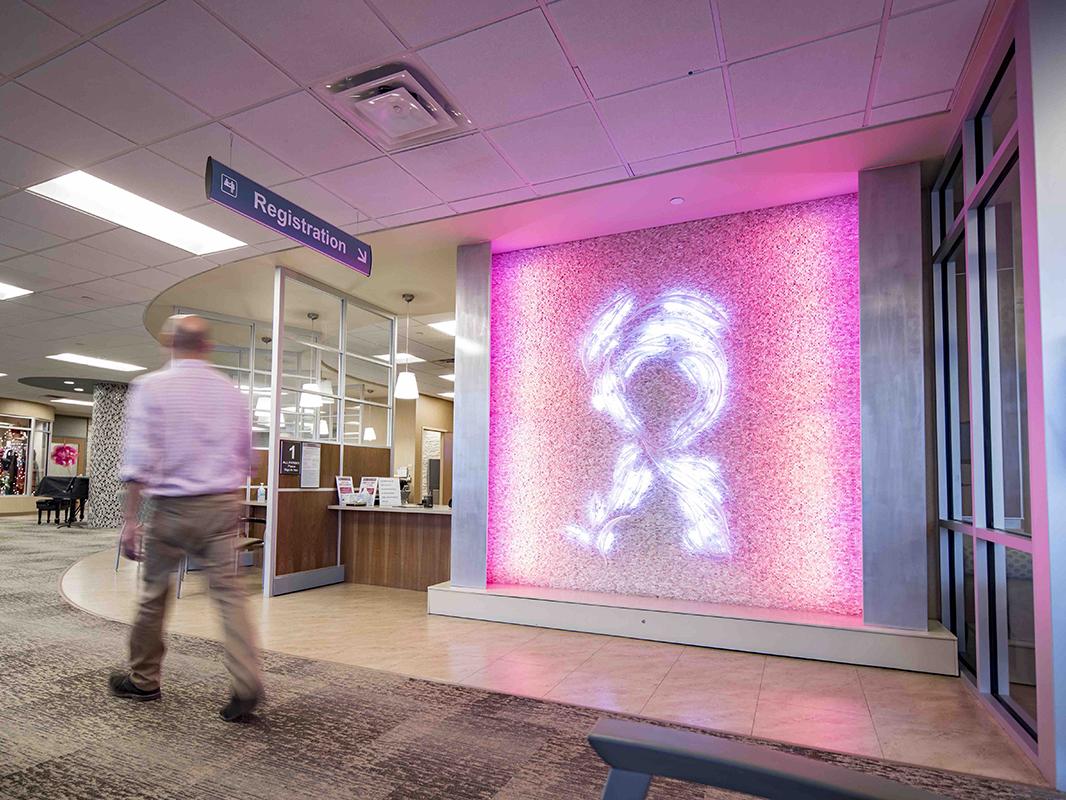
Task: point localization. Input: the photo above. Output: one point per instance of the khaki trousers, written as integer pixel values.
(203, 527)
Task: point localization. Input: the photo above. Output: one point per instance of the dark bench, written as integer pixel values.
(636, 751)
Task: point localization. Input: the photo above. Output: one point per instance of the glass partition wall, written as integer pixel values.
(982, 427)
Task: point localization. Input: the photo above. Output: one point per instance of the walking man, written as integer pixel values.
(188, 447)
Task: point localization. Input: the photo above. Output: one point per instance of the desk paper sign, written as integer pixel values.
(369, 487)
(229, 188)
(345, 490)
(389, 492)
(311, 468)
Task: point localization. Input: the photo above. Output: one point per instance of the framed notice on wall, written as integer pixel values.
(311, 466)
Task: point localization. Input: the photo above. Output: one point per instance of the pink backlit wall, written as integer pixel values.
(675, 412)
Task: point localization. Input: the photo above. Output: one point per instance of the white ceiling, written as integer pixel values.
(563, 95)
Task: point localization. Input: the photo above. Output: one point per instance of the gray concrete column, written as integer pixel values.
(470, 481)
(106, 436)
(895, 508)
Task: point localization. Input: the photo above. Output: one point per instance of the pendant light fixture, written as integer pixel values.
(406, 382)
(313, 400)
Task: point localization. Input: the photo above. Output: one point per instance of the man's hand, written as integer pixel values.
(131, 541)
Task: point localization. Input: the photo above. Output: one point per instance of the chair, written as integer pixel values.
(636, 751)
(54, 493)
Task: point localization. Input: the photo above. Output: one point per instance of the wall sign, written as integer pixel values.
(291, 457)
(229, 188)
(311, 467)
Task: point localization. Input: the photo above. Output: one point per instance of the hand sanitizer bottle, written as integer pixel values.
(261, 495)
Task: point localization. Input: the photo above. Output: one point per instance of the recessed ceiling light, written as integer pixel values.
(3, 374)
(402, 358)
(91, 195)
(99, 363)
(7, 291)
(69, 383)
(447, 327)
(78, 389)
(70, 401)
(449, 377)
(449, 395)
(676, 201)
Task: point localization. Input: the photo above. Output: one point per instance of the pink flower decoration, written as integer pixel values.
(64, 455)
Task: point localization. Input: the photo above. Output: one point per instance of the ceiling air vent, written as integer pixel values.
(395, 107)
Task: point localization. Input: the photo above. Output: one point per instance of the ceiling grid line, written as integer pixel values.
(730, 102)
(875, 70)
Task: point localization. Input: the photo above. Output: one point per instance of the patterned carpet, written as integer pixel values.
(328, 730)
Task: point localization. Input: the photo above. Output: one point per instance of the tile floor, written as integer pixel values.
(919, 719)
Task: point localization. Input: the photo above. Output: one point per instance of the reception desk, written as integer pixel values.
(407, 547)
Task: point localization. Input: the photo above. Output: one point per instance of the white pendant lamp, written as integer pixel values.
(406, 382)
(323, 427)
(369, 435)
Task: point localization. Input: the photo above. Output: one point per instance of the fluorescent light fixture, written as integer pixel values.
(369, 435)
(406, 386)
(402, 358)
(91, 195)
(449, 377)
(447, 328)
(69, 383)
(449, 395)
(99, 363)
(78, 389)
(7, 291)
(70, 401)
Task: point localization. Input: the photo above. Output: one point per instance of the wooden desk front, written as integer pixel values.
(405, 548)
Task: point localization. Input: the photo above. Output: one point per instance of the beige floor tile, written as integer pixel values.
(624, 693)
(830, 730)
(730, 708)
(518, 677)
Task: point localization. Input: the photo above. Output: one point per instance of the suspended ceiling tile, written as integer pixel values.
(926, 51)
(191, 149)
(78, 255)
(126, 316)
(493, 200)
(557, 145)
(52, 217)
(12, 313)
(751, 27)
(581, 181)
(803, 133)
(323, 38)
(38, 123)
(109, 292)
(136, 247)
(908, 109)
(815, 81)
(421, 215)
(378, 188)
(60, 328)
(154, 178)
(100, 87)
(152, 278)
(27, 35)
(319, 201)
(35, 282)
(184, 48)
(458, 168)
(8, 252)
(63, 274)
(303, 133)
(44, 300)
(23, 167)
(699, 155)
(624, 44)
(231, 223)
(903, 6)
(669, 118)
(187, 267)
(419, 22)
(229, 256)
(86, 17)
(506, 71)
(23, 237)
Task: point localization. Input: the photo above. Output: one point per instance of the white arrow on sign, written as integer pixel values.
(362, 256)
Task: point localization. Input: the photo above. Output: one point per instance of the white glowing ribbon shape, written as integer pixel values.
(686, 328)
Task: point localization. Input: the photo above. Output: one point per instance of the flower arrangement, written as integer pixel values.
(64, 455)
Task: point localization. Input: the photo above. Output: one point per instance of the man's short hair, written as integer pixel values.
(188, 333)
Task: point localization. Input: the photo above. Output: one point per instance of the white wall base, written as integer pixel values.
(816, 636)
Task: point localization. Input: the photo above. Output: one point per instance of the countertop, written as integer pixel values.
(409, 509)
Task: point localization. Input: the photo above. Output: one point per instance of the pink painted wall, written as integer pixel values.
(782, 426)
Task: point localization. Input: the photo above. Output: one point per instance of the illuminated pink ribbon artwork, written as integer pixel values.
(675, 412)
(684, 327)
